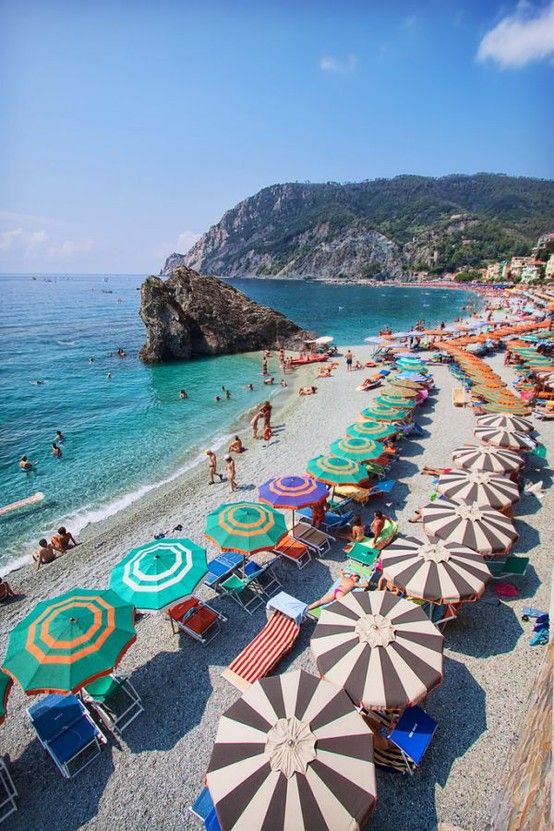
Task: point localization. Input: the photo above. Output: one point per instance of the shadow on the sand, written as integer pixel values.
(40, 784)
(538, 470)
(529, 537)
(458, 706)
(528, 505)
(488, 627)
(528, 584)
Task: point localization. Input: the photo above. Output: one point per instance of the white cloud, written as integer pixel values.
(521, 37)
(186, 240)
(8, 238)
(340, 66)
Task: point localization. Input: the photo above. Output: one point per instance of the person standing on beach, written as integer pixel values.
(231, 473)
(254, 424)
(349, 359)
(266, 413)
(212, 467)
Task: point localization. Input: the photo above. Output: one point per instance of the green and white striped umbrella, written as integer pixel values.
(336, 470)
(159, 573)
(356, 449)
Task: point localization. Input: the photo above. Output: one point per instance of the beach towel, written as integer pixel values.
(507, 590)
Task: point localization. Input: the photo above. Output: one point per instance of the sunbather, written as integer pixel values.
(348, 582)
(356, 531)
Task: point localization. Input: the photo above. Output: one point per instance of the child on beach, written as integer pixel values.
(267, 434)
(231, 473)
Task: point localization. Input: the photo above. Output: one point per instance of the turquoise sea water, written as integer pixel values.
(126, 434)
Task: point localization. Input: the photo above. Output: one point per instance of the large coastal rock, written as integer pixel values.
(189, 314)
(376, 229)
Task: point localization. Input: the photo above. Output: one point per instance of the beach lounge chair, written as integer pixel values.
(372, 545)
(263, 577)
(316, 540)
(510, 567)
(197, 619)
(340, 505)
(459, 397)
(352, 493)
(204, 808)
(383, 487)
(222, 567)
(294, 551)
(8, 792)
(115, 700)
(412, 736)
(243, 591)
(66, 730)
(332, 520)
(363, 554)
(264, 652)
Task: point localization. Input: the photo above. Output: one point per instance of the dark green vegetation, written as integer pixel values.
(433, 224)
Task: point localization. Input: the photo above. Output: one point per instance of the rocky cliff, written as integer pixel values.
(379, 229)
(189, 314)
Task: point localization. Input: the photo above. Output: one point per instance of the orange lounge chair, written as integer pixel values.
(292, 549)
(195, 618)
(263, 653)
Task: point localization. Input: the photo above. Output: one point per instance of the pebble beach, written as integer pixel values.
(149, 778)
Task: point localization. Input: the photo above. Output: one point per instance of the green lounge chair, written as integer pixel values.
(242, 592)
(510, 567)
(115, 700)
(364, 554)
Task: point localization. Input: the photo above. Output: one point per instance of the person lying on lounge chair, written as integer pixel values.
(348, 582)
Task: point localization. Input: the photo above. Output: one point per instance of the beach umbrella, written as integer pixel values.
(504, 438)
(371, 430)
(383, 650)
(246, 527)
(293, 492)
(400, 393)
(410, 375)
(506, 421)
(394, 403)
(411, 366)
(292, 754)
(6, 683)
(469, 486)
(498, 407)
(158, 573)
(438, 572)
(405, 384)
(337, 470)
(483, 529)
(70, 640)
(488, 459)
(356, 449)
(379, 412)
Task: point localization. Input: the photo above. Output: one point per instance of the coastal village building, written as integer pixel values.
(549, 268)
(517, 264)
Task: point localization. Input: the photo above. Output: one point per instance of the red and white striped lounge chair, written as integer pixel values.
(263, 653)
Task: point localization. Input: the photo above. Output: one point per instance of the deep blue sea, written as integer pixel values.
(126, 434)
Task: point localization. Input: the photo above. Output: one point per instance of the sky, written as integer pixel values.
(128, 128)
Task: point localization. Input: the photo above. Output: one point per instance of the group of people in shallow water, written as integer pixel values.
(27, 465)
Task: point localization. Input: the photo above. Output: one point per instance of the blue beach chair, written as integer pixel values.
(412, 736)
(66, 730)
(203, 808)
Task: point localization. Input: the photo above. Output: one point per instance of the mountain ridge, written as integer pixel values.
(380, 228)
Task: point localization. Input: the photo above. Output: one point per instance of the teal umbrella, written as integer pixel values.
(386, 414)
(6, 683)
(159, 573)
(357, 449)
(371, 430)
(394, 403)
(246, 527)
(337, 470)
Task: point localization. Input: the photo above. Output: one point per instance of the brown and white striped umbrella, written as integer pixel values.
(439, 572)
(485, 530)
(504, 438)
(488, 459)
(292, 754)
(490, 489)
(383, 650)
(506, 421)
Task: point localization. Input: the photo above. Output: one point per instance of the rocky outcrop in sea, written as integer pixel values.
(191, 314)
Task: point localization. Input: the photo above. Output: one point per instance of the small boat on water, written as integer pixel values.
(309, 359)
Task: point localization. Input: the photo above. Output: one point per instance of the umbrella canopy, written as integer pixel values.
(292, 492)
(504, 438)
(398, 393)
(247, 527)
(68, 641)
(371, 430)
(393, 403)
(293, 754)
(412, 366)
(439, 572)
(485, 530)
(381, 413)
(337, 470)
(512, 407)
(488, 459)
(383, 650)
(158, 573)
(410, 375)
(357, 449)
(488, 489)
(506, 421)
(404, 384)
(6, 683)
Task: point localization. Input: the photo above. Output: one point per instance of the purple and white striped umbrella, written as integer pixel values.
(488, 459)
(488, 489)
(292, 754)
(485, 530)
(506, 421)
(504, 438)
(439, 572)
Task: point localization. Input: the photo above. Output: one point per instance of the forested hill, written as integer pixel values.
(378, 228)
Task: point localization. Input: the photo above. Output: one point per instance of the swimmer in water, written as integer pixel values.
(218, 398)
(59, 437)
(91, 360)
(109, 376)
(25, 464)
(183, 394)
(227, 394)
(250, 387)
(56, 451)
